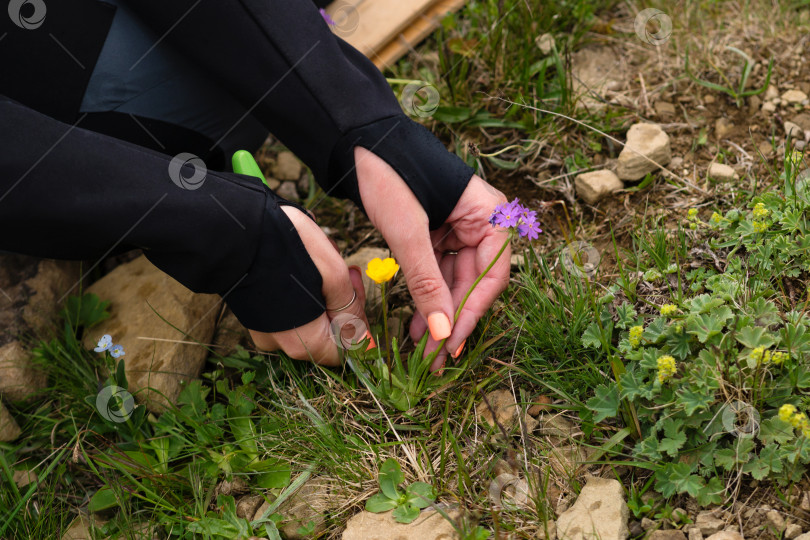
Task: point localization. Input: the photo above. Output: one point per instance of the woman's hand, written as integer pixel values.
(441, 265)
(315, 340)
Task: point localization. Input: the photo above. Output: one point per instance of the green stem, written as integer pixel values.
(433, 355)
(385, 334)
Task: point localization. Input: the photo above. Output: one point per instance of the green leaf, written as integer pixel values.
(755, 336)
(592, 337)
(452, 115)
(705, 326)
(675, 438)
(503, 164)
(693, 400)
(626, 314)
(775, 431)
(103, 499)
(86, 310)
(420, 494)
(390, 477)
(726, 458)
(379, 502)
(405, 513)
(605, 404)
(712, 493)
(704, 303)
(676, 478)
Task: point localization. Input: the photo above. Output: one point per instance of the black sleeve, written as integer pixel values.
(66, 192)
(316, 93)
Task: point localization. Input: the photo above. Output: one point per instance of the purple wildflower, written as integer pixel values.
(327, 18)
(513, 215)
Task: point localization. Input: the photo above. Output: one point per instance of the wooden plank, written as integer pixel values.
(378, 21)
(424, 25)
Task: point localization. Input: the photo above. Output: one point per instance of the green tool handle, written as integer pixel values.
(243, 163)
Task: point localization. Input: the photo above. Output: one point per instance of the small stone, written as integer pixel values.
(229, 334)
(648, 524)
(556, 426)
(287, 167)
(708, 99)
(708, 523)
(516, 260)
(246, 506)
(793, 131)
(775, 520)
(541, 404)
(596, 185)
(766, 149)
(272, 183)
(792, 530)
(722, 173)
(665, 108)
(288, 191)
(635, 529)
(499, 408)
(646, 150)
(771, 93)
(79, 528)
(802, 120)
(430, 525)
(303, 186)
(678, 515)
(567, 460)
(805, 504)
(599, 513)
(726, 535)
(769, 106)
(24, 477)
(667, 534)
(794, 96)
(9, 430)
(805, 536)
(308, 509)
(722, 127)
(694, 533)
(754, 104)
(676, 163)
(545, 43)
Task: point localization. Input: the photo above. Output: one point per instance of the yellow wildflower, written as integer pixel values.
(760, 212)
(756, 354)
(798, 420)
(635, 335)
(779, 357)
(382, 270)
(715, 219)
(692, 213)
(666, 367)
(760, 226)
(668, 310)
(786, 412)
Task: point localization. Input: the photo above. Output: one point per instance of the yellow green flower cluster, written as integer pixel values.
(761, 356)
(691, 216)
(716, 219)
(668, 310)
(789, 414)
(635, 336)
(795, 157)
(760, 212)
(666, 367)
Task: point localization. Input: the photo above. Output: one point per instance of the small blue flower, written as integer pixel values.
(104, 343)
(117, 351)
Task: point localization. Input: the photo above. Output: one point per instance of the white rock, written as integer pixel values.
(771, 93)
(600, 513)
(792, 531)
(287, 167)
(794, 131)
(695, 534)
(646, 150)
(794, 96)
(287, 190)
(9, 430)
(430, 525)
(721, 172)
(726, 535)
(769, 106)
(545, 43)
(708, 523)
(596, 185)
(775, 520)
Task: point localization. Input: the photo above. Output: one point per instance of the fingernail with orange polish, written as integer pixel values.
(460, 348)
(439, 325)
(372, 344)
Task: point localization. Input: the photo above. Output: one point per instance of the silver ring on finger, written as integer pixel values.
(451, 253)
(347, 306)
